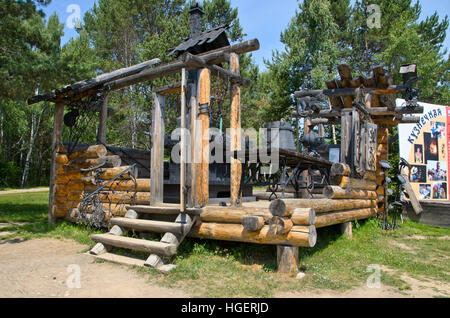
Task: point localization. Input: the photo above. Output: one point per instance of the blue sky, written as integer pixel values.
(261, 19)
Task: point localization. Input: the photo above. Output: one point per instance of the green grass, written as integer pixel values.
(32, 208)
(208, 268)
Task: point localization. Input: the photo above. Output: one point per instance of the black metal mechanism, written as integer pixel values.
(309, 105)
(312, 142)
(292, 164)
(92, 203)
(396, 207)
(82, 114)
(409, 73)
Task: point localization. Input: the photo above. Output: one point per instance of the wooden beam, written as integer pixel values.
(183, 150)
(235, 136)
(73, 90)
(376, 113)
(195, 61)
(393, 89)
(169, 89)
(211, 58)
(56, 140)
(204, 99)
(157, 152)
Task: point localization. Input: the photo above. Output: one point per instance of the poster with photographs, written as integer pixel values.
(426, 146)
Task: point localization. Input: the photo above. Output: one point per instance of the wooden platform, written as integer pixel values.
(434, 213)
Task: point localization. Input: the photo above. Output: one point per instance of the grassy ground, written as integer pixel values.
(221, 269)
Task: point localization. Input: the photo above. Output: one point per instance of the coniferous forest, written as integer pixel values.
(115, 34)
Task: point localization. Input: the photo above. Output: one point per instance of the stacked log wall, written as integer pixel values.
(75, 180)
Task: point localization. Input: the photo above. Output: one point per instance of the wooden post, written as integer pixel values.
(56, 140)
(235, 138)
(193, 109)
(287, 259)
(102, 129)
(346, 229)
(204, 99)
(346, 136)
(157, 153)
(183, 143)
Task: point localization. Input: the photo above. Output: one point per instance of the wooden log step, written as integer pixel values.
(150, 226)
(340, 217)
(119, 259)
(135, 244)
(171, 209)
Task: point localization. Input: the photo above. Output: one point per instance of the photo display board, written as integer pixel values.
(426, 146)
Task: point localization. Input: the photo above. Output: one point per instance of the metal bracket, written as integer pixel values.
(204, 109)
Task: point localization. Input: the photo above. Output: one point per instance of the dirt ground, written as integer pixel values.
(39, 268)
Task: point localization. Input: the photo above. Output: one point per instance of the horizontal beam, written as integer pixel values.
(168, 89)
(374, 112)
(195, 61)
(210, 58)
(393, 89)
(83, 86)
(138, 76)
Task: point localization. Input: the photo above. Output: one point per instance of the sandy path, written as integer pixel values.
(23, 191)
(38, 268)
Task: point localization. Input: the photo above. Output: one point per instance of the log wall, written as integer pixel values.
(75, 179)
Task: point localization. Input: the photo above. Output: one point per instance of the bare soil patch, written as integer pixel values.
(39, 268)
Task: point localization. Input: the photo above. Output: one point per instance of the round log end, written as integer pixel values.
(277, 208)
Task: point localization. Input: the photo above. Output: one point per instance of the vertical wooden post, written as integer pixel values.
(287, 259)
(183, 143)
(346, 229)
(346, 136)
(235, 138)
(103, 120)
(192, 197)
(204, 100)
(56, 141)
(157, 153)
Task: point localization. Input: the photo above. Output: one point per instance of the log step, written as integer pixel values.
(119, 259)
(150, 226)
(168, 209)
(135, 244)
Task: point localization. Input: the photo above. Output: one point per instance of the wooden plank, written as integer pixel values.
(235, 136)
(56, 140)
(167, 209)
(157, 152)
(335, 192)
(417, 207)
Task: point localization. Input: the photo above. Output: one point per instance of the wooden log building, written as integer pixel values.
(110, 186)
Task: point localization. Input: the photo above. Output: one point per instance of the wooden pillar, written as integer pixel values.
(56, 140)
(157, 152)
(183, 149)
(346, 136)
(287, 259)
(102, 129)
(382, 155)
(235, 138)
(204, 100)
(193, 113)
(346, 229)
